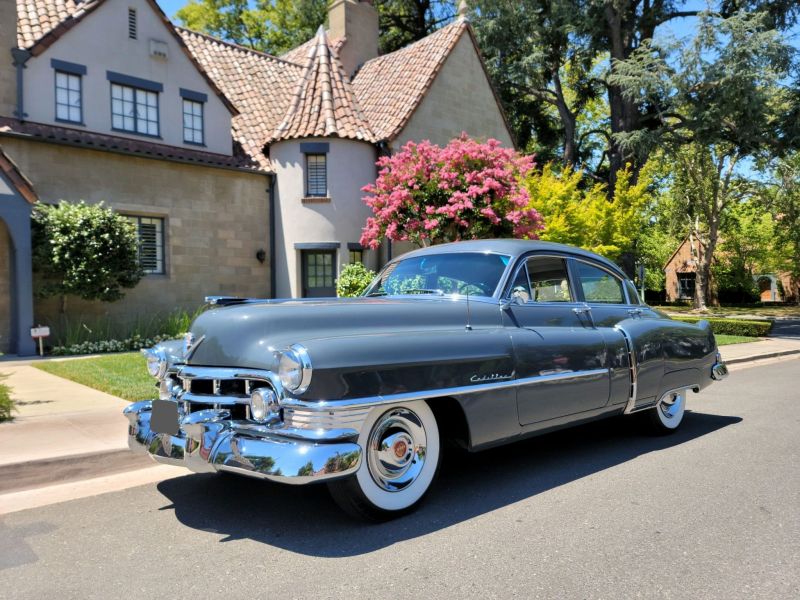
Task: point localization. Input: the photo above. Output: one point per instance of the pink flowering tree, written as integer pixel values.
(466, 190)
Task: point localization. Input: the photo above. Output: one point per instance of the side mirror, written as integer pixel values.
(518, 296)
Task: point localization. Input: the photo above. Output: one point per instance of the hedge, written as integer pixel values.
(733, 326)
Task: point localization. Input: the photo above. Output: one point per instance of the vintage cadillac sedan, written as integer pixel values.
(480, 343)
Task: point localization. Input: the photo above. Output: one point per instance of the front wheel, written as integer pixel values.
(667, 415)
(401, 457)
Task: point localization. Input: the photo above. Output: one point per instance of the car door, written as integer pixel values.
(559, 354)
(615, 310)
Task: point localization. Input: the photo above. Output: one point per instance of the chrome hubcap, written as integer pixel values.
(396, 449)
(672, 405)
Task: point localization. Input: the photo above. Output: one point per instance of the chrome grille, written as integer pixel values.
(329, 419)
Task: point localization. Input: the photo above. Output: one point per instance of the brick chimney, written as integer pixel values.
(357, 21)
(8, 72)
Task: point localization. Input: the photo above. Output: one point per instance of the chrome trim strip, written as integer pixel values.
(356, 403)
(633, 367)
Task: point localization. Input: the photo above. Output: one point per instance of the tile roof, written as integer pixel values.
(260, 85)
(97, 141)
(299, 54)
(392, 86)
(21, 183)
(323, 103)
(38, 18)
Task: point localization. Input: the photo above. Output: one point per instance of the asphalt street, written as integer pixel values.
(599, 511)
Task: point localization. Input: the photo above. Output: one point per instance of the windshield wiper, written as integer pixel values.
(423, 291)
(375, 294)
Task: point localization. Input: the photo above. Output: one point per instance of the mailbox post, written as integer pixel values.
(40, 333)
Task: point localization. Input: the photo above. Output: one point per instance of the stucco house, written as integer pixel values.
(681, 270)
(241, 170)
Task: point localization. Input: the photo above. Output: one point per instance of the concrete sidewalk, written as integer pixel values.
(766, 348)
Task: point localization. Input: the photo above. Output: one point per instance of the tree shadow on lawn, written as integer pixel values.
(305, 520)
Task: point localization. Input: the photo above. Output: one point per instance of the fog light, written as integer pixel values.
(264, 405)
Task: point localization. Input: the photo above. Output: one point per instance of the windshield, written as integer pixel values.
(467, 273)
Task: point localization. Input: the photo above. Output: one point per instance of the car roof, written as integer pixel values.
(513, 248)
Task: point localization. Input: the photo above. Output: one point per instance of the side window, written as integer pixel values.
(633, 297)
(549, 279)
(598, 285)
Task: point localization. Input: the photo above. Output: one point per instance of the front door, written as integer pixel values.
(319, 273)
(556, 345)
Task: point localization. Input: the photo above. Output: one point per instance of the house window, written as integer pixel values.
(69, 97)
(316, 175)
(134, 110)
(686, 282)
(150, 235)
(193, 122)
(356, 256)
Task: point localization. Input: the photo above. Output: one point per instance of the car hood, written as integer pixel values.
(248, 335)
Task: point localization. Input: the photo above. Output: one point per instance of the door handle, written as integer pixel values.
(635, 312)
(582, 310)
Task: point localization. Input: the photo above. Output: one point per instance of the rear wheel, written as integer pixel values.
(667, 415)
(401, 457)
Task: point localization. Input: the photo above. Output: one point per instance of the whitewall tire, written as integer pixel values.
(668, 414)
(401, 451)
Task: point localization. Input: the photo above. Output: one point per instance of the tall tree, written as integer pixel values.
(714, 103)
(273, 26)
(528, 43)
(783, 200)
(405, 21)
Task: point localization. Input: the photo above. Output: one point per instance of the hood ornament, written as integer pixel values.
(190, 344)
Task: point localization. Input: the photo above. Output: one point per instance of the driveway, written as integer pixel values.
(786, 328)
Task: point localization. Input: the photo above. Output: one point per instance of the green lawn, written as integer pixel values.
(122, 375)
(724, 340)
(734, 311)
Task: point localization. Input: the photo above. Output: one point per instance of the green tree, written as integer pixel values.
(405, 21)
(85, 250)
(717, 102)
(783, 201)
(584, 216)
(529, 43)
(273, 26)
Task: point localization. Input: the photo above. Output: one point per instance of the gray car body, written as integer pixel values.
(538, 366)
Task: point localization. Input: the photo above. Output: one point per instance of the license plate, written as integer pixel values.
(164, 417)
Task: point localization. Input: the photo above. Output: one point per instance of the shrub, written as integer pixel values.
(353, 280)
(86, 250)
(6, 403)
(733, 326)
(133, 343)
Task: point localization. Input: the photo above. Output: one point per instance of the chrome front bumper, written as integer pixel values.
(719, 371)
(209, 441)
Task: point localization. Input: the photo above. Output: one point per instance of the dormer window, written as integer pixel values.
(193, 126)
(68, 91)
(134, 104)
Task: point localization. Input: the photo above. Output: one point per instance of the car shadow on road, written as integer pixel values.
(305, 520)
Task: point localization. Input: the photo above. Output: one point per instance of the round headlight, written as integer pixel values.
(264, 405)
(294, 369)
(156, 362)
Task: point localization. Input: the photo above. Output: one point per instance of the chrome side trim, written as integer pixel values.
(633, 368)
(357, 403)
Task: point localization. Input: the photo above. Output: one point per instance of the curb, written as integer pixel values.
(755, 357)
(16, 477)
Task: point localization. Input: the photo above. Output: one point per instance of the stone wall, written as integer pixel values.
(215, 222)
(5, 288)
(460, 99)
